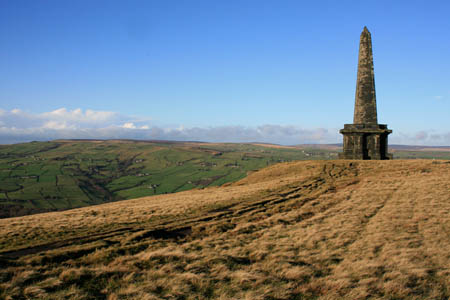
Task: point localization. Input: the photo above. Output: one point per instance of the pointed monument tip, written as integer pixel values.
(365, 32)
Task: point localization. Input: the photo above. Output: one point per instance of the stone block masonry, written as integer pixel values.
(365, 138)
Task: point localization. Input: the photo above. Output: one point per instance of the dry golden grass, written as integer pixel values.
(303, 230)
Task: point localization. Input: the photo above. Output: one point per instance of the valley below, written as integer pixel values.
(52, 176)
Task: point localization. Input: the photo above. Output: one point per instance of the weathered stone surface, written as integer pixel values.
(365, 98)
(365, 138)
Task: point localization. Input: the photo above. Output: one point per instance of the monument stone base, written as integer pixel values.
(365, 141)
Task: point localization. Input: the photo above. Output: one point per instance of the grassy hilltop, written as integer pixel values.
(298, 230)
(45, 176)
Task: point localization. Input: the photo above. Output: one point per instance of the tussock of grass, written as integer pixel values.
(304, 230)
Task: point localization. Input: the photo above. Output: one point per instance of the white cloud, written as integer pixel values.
(421, 135)
(63, 118)
(78, 116)
(55, 125)
(438, 97)
(425, 138)
(129, 125)
(19, 126)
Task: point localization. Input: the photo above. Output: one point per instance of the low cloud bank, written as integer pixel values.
(19, 126)
(425, 138)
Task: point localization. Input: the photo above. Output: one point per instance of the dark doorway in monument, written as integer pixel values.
(365, 150)
(383, 146)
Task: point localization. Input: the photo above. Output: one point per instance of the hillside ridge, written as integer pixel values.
(299, 230)
(64, 174)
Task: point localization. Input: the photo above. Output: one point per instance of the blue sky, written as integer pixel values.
(272, 71)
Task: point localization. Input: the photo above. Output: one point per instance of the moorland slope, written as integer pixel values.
(299, 230)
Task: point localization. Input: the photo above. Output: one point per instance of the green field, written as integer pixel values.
(46, 176)
(57, 175)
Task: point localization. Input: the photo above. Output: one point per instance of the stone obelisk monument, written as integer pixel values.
(365, 138)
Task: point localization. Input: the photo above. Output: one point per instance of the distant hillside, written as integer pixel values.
(393, 147)
(48, 176)
(399, 151)
(299, 230)
(419, 148)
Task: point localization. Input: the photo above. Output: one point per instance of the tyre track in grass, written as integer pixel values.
(241, 210)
